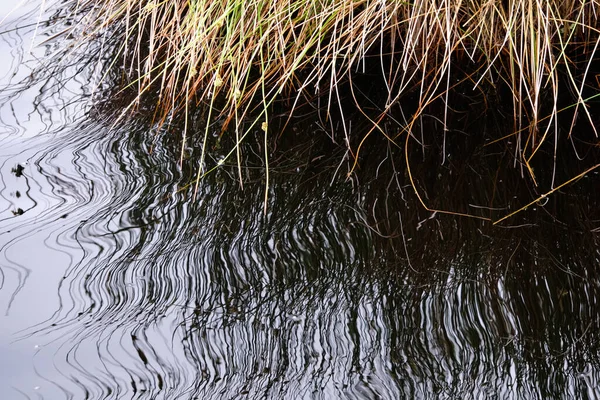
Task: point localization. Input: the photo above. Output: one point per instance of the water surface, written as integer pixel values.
(115, 283)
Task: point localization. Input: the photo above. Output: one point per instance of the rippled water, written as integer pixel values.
(115, 284)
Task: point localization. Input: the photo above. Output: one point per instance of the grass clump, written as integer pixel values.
(239, 56)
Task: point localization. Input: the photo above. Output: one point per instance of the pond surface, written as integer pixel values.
(116, 284)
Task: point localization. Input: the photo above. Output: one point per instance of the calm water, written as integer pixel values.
(115, 284)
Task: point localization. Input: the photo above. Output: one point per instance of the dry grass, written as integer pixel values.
(249, 53)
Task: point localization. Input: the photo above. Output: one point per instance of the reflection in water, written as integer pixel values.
(115, 284)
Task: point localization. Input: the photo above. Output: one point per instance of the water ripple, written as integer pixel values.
(115, 284)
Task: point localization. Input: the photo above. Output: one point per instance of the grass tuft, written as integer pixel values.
(247, 54)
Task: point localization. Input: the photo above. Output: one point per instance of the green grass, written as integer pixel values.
(243, 55)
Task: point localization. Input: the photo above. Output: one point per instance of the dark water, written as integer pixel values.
(116, 284)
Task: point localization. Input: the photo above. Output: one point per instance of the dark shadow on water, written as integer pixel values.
(344, 289)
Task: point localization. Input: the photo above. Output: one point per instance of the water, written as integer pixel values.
(116, 284)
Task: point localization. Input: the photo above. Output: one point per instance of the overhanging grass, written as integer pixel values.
(249, 53)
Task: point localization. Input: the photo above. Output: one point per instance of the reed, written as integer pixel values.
(239, 56)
